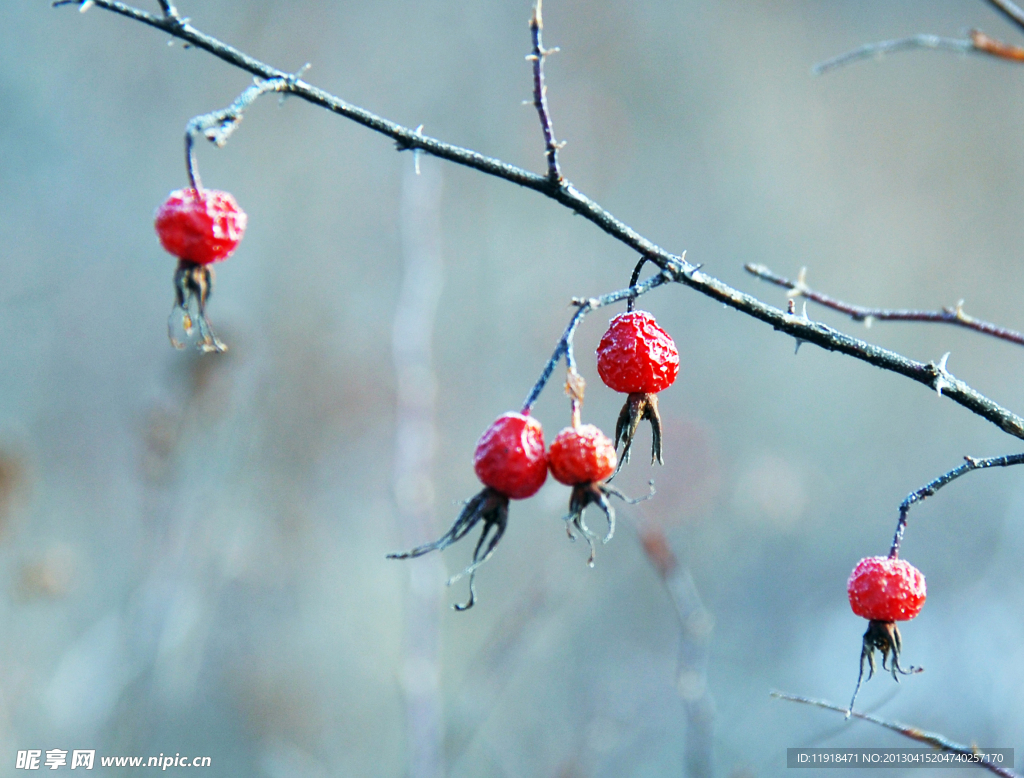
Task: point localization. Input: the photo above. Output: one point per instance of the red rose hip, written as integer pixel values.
(510, 456)
(580, 455)
(511, 462)
(583, 457)
(636, 355)
(200, 226)
(884, 589)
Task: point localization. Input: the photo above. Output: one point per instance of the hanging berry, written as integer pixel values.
(511, 463)
(637, 357)
(584, 458)
(200, 227)
(884, 590)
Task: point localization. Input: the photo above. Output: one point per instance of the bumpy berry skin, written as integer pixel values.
(200, 226)
(580, 455)
(636, 355)
(884, 589)
(510, 456)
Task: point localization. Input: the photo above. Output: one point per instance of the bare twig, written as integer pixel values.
(954, 315)
(932, 739)
(1010, 10)
(634, 278)
(217, 126)
(930, 488)
(977, 43)
(170, 12)
(567, 195)
(881, 48)
(996, 48)
(540, 92)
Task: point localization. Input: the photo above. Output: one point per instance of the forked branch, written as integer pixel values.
(930, 488)
(953, 315)
(935, 376)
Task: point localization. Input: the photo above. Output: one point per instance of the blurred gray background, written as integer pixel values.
(192, 547)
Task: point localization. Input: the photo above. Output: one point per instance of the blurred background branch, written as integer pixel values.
(933, 739)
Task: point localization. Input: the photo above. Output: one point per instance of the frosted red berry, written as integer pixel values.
(636, 355)
(885, 589)
(581, 455)
(510, 456)
(511, 462)
(200, 226)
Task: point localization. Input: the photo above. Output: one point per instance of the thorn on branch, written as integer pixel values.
(943, 378)
(800, 319)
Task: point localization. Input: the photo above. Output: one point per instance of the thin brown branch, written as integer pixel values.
(954, 315)
(932, 739)
(996, 48)
(540, 91)
(929, 374)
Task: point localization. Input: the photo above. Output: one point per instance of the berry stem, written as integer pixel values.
(632, 282)
(583, 307)
(217, 126)
(930, 488)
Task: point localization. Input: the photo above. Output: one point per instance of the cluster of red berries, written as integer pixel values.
(635, 356)
(884, 590)
(199, 227)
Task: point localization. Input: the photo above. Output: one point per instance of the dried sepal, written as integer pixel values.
(883, 636)
(488, 506)
(640, 406)
(193, 285)
(597, 493)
